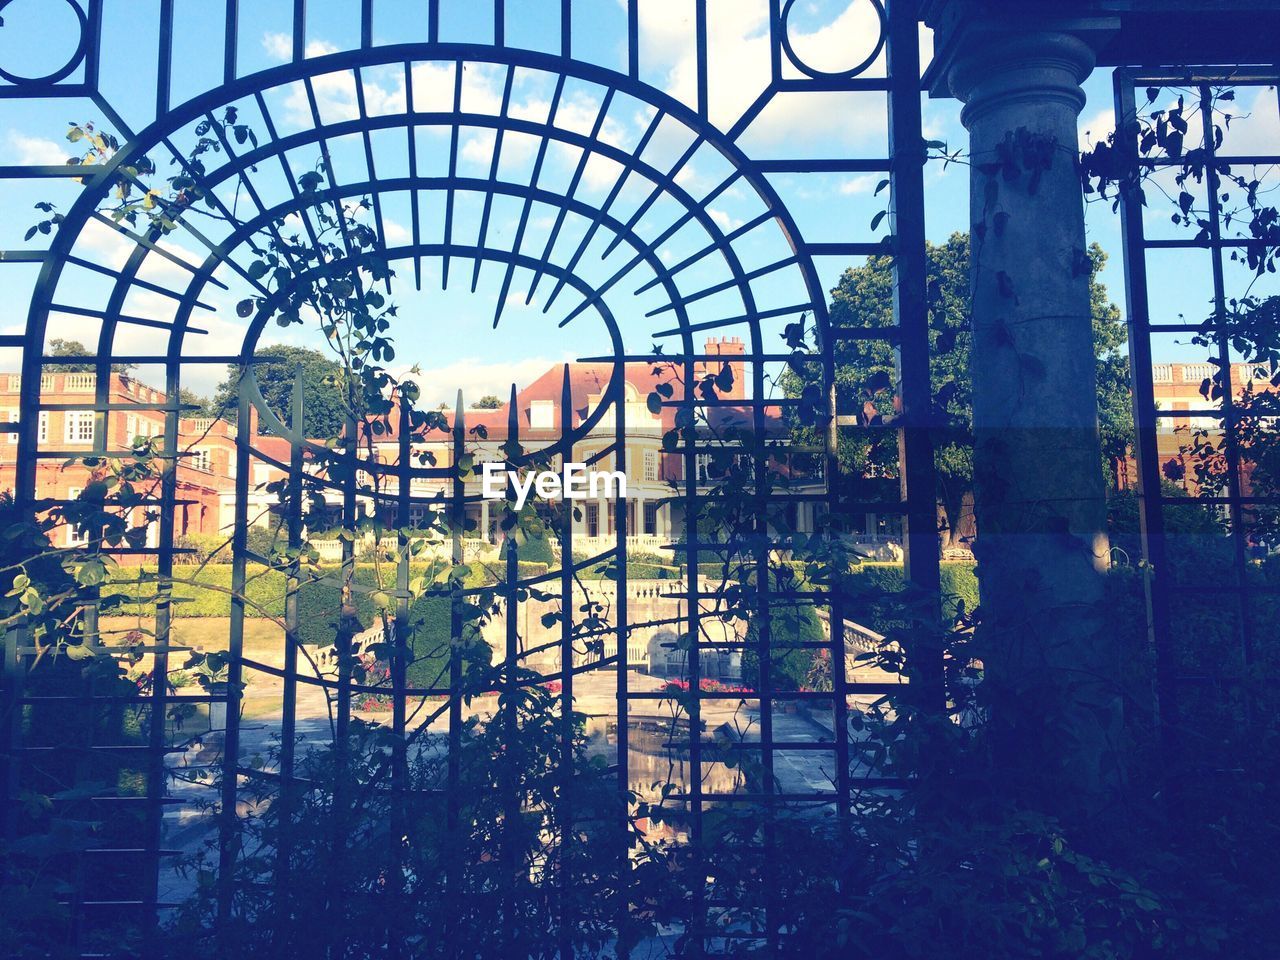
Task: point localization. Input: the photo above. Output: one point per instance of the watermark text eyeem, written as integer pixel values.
(574, 482)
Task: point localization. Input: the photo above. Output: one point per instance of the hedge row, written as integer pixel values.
(318, 603)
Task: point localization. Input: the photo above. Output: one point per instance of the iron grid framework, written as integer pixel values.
(1153, 332)
(379, 151)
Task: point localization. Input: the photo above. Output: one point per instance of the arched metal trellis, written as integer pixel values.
(590, 186)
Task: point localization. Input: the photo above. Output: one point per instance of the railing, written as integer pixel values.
(79, 382)
(646, 543)
(330, 551)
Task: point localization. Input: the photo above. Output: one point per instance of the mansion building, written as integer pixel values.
(206, 468)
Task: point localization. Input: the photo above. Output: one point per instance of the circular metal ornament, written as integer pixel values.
(813, 72)
(77, 56)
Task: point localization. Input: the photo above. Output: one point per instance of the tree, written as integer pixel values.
(865, 371)
(489, 402)
(322, 392)
(74, 348)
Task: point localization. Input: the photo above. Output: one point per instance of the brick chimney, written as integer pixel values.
(727, 347)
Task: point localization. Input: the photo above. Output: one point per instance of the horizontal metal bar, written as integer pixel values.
(45, 171)
(842, 165)
(122, 318)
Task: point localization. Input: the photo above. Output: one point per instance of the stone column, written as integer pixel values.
(1040, 495)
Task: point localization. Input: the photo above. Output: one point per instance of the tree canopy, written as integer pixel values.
(865, 369)
(322, 395)
(59, 347)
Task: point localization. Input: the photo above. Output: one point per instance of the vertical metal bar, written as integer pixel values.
(228, 844)
(366, 24)
(157, 774)
(93, 54)
(510, 690)
(415, 225)
(231, 41)
(164, 71)
(289, 694)
(348, 619)
(633, 39)
(568, 835)
(566, 29)
(454, 131)
(700, 39)
(433, 21)
(760, 549)
(693, 544)
(1146, 425)
(499, 23)
(457, 523)
(299, 30)
(775, 37)
(911, 311)
(348, 625)
(623, 633)
(399, 671)
(1239, 557)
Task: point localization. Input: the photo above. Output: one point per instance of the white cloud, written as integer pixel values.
(395, 232)
(37, 151)
(1097, 128)
(738, 58)
(722, 220)
(279, 46)
(1255, 123)
(863, 183)
(477, 378)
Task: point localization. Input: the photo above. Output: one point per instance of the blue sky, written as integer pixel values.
(449, 332)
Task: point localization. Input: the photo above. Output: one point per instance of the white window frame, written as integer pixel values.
(73, 422)
(651, 461)
(73, 540)
(202, 459)
(12, 415)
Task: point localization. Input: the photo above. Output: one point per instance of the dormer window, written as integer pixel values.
(542, 414)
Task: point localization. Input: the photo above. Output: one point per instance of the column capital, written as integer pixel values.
(991, 54)
(996, 68)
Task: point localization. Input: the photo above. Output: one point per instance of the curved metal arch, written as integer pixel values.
(491, 254)
(663, 181)
(511, 57)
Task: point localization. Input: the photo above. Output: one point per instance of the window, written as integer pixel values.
(139, 426)
(79, 426)
(202, 459)
(650, 518)
(651, 465)
(75, 536)
(11, 416)
(542, 414)
(704, 467)
(591, 518)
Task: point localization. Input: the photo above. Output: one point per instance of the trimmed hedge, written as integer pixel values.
(318, 603)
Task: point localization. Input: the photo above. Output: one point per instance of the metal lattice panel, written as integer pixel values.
(589, 187)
